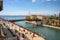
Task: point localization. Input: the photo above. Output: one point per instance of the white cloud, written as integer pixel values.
(54, 0)
(20, 12)
(42, 0)
(24, 12)
(45, 12)
(48, 0)
(16, 0)
(34, 1)
(51, 0)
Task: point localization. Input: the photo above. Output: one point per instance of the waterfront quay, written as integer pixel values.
(11, 31)
(42, 20)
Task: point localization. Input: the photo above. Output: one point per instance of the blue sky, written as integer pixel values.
(28, 7)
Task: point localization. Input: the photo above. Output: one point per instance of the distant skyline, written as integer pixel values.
(28, 7)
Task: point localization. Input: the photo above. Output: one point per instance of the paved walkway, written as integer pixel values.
(7, 32)
(9, 35)
(52, 26)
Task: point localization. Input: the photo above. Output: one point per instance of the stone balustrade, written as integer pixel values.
(20, 30)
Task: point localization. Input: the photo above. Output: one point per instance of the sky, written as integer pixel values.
(29, 7)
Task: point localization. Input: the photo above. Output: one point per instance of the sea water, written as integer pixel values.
(48, 33)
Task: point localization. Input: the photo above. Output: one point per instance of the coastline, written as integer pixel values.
(34, 23)
(45, 25)
(52, 26)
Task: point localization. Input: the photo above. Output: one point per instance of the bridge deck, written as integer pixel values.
(25, 20)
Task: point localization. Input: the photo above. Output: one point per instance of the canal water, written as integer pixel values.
(48, 33)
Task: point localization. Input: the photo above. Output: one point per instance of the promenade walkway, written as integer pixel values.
(21, 33)
(7, 32)
(9, 35)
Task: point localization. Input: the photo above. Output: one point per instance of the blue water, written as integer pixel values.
(48, 33)
(12, 17)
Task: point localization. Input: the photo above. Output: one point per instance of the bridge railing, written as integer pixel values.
(19, 30)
